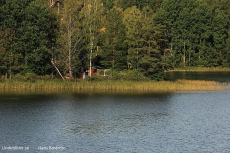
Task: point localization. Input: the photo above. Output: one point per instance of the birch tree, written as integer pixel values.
(70, 35)
(91, 25)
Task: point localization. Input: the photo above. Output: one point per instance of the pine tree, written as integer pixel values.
(113, 53)
(132, 22)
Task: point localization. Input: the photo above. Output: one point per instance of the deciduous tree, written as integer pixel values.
(6, 53)
(71, 36)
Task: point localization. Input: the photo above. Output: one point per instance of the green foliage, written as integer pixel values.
(25, 77)
(113, 52)
(134, 75)
(140, 4)
(132, 22)
(115, 75)
(6, 43)
(38, 61)
(30, 77)
(127, 75)
(197, 32)
(37, 26)
(32, 25)
(135, 39)
(70, 36)
(108, 4)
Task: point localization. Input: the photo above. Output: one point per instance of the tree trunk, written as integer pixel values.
(6, 75)
(57, 70)
(70, 47)
(184, 55)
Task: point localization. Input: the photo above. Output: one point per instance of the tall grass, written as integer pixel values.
(179, 85)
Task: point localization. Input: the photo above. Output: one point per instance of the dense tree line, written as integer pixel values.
(138, 36)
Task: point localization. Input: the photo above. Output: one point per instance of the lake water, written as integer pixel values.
(211, 76)
(108, 122)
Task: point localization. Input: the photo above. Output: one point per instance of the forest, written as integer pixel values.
(129, 38)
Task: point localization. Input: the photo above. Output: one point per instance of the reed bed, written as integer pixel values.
(179, 85)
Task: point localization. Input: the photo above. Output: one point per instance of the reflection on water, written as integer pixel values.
(116, 122)
(211, 76)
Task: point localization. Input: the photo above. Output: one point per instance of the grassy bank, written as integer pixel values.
(216, 69)
(180, 85)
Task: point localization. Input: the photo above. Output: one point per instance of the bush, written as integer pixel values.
(134, 75)
(115, 75)
(157, 76)
(26, 77)
(30, 76)
(2, 78)
(18, 77)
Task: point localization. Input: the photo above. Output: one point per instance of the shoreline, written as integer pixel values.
(201, 69)
(155, 86)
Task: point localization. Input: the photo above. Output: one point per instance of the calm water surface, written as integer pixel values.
(211, 76)
(94, 122)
